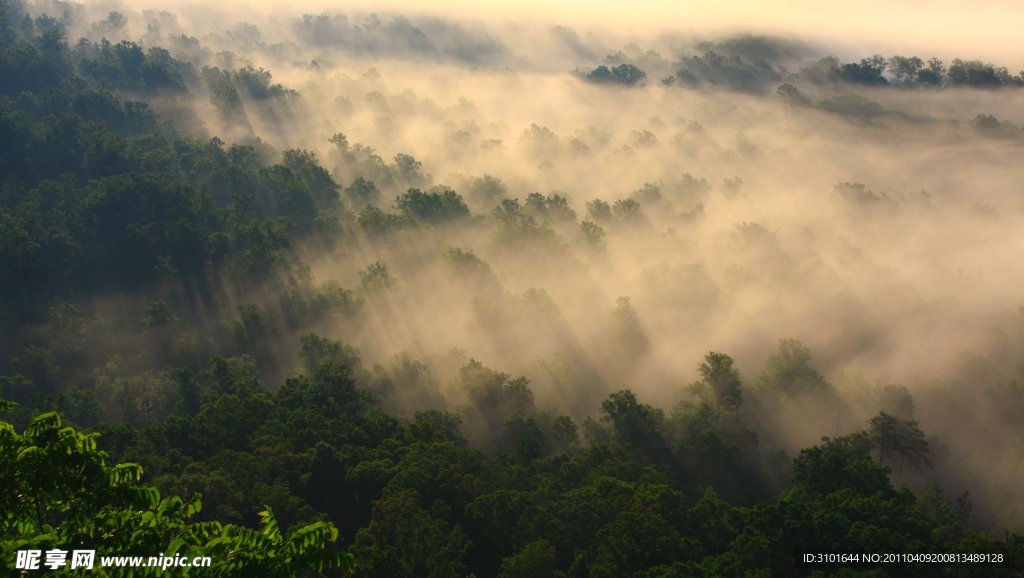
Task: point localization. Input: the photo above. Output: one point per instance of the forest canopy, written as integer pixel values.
(393, 295)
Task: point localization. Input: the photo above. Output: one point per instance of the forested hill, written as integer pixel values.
(191, 363)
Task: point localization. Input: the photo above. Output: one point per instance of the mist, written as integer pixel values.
(878, 226)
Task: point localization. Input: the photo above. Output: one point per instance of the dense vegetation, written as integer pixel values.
(152, 293)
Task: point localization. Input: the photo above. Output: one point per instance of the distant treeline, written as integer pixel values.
(749, 71)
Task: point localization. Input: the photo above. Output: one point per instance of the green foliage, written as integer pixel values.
(432, 207)
(515, 227)
(837, 464)
(868, 71)
(894, 436)
(789, 372)
(853, 106)
(723, 380)
(376, 222)
(637, 426)
(376, 277)
(535, 559)
(976, 73)
(114, 198)
(623, 74)
(904, 70)
(628, 211)
(158, 314)
(551, 209)
(791, 95)
(599, 210)
(316, 351)
(361, 193)
(60, 493)
(405, 540)
(734, 71)
(593, 235)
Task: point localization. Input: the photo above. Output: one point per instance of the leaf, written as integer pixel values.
(125, 474)
(174, 546)
(43, 423)
(270, 527)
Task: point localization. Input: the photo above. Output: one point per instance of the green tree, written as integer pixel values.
(432, 206)
(593, 235)
(599, 211)
(158, 314)
(636, 425)
(792, 96)
(316, 351)
(361, 193)
(535, 559)
(723, 381)
(894, 436)
(405, 541)
(376, 277)
(843, 462)
(789, 372)
(868, 71)
(904, 70)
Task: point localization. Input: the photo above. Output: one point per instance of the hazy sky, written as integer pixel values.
(985, 29)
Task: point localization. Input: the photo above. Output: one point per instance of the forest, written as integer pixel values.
(386, 295)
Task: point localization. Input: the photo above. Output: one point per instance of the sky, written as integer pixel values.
(988, 29)
(982, 29)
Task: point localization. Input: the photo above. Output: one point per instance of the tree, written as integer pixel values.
(636, 425)
(535, 559)
(933, 74)
(593, 235)
(975, 73)
(252, 328)
(599, 210)
(434, 206)
(316, 351)
(158, 314)
(361, 193)
(550, 209)
(723, 381)
(628, 211)
(789, 371)
(500, 403)
(305, 165)
(868, 71)
(409, 170)
(405, 541)
(601, 74)
(791, 95)
(835, 464)
(376, 277)
(904, 70)
(629, 339)
(895, 436)
(624, 74)
(628, 75)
